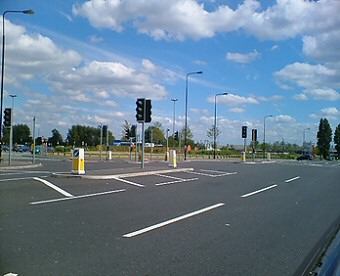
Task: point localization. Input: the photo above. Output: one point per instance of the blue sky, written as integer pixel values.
(86, 62)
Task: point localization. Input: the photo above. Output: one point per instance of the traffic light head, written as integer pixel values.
(148, 112)
(140, 110)
(105, 127)
(7, 117)
(176, 135)
(244, 131)
(127, 134)
(133, 131)
(254, 134)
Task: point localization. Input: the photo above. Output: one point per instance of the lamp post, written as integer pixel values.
(174, 119)
(304, 139)
(186, 111)
(3, 68)
(219, 94)
(264, 135)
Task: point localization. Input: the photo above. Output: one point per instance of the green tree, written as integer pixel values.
(56, 138)
(337, 139)
(210, 134)
(190, 137)
(155, 134)
(324, 138)
(79, 135)
(21, 134)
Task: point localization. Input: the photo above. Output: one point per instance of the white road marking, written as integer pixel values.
(175, 181)
(168, 176)
(259, 191)
(224, 174)
(76, 197)
(212, 175)
(292, 179)
(164, 223)
(18, 178)
(54, 187)
(211, 171)
(128, 182)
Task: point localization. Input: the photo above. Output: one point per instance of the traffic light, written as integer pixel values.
(7, 117)
(148, 135)
(148, 112)
(133, 131)
(244, 131)
(254, 134)
(127, 134)
(105, 127)
(176, 135)
(140, 109)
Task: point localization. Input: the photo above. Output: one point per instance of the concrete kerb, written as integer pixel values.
(16, 167)
(120, 175)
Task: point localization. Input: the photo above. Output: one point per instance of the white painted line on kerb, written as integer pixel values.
(54, 187)
(259, 191)
(292, 179)
(164, 223)
(76, 197)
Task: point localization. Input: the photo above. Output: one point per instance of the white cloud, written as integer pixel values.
(283, 119)
(331, 113)
(28, 56)
(232, 99)
(96, 39)
(174, 19)
(305, 75)
(236, 110)
(113, 77)
(325, 94)
(243, 58)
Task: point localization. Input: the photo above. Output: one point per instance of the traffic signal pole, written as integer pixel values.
(143, 145)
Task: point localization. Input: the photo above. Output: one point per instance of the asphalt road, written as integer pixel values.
(216, 218)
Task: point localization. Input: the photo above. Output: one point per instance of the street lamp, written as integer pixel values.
(174, 120)
(186, 111)
(3, 67)
(264, 135)
(219, 94)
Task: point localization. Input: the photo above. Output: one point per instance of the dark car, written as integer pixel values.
(305, 157)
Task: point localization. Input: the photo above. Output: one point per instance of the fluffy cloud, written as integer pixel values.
(165, 19)
(28, 56)
(326, 94)
(113, 77)
(305, 75)
(243, 58)
(232, 99)
(283, 119)
(174, 19)
(331, 113)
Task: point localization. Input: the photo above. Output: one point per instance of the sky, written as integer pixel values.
(87, 62)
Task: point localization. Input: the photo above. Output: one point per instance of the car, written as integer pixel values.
(5, 148)
(305, 157)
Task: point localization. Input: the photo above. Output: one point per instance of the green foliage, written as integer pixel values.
(79, 134)
(21, 134)
(56, 138)
(337, 139)
(155, 134)
(324, 138)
